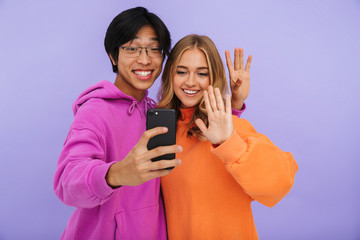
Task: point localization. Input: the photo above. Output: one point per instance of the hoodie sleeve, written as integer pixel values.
(238, 113)
(263, 170)
(79, 179)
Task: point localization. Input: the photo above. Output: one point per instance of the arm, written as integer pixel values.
(80, 175)
(264, 171)
(84, 179)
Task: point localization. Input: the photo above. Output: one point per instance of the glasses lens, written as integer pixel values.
(131, 51)
(154, 51)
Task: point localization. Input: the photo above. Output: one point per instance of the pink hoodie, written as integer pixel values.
(106, 126)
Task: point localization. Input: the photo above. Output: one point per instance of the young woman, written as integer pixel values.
(226, 164)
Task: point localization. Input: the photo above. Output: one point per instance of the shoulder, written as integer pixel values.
(99, 107)
(94, 107)
(93, 114)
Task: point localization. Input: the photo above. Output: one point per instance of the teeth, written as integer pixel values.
(143, 74)
(190, 92)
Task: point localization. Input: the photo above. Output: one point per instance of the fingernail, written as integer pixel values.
(180, 148)
(164, 128)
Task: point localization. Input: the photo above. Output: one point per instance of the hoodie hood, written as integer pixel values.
(107, 90)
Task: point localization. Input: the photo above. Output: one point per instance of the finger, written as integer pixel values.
(228, 104)
(149, 134)
(237, 59)
(228, 61)
(248, 63)
(241, 58)
(162, 164)
(207, 103)
(212, 98)
(162, 150)
(201, 125)
(219, 99)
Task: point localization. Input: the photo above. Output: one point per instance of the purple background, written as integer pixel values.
(304, 96)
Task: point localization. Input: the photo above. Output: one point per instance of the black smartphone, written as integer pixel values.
(162, 118)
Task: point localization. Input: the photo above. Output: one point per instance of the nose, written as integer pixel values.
(143, 58)
(191, 80)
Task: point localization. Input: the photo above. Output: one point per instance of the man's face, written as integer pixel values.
(137, 74)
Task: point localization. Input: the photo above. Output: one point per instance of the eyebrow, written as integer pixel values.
(152, 39)
(201, 68)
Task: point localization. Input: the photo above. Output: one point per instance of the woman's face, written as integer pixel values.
(191, 77)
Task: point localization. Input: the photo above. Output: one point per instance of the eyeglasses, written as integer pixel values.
(152, 52)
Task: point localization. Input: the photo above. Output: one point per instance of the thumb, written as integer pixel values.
(238, 83)
(201, 125)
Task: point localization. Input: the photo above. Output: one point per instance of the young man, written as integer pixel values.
(105, 168)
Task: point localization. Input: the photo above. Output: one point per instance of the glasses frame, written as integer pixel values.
(139, 52)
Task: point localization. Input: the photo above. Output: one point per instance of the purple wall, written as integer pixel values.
(304, 96)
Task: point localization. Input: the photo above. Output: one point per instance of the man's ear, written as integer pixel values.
(112, 60)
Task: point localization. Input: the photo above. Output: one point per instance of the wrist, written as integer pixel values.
(110, 177)
(238, 105)
(218, 143)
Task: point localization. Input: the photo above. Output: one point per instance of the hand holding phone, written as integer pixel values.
(137, 168)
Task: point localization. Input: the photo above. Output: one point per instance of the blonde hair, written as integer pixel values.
(166, 96)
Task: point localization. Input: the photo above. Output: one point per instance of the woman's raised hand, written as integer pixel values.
(239, 77)
(219, 115)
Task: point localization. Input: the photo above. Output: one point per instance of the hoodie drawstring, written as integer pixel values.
(132, 107)
(148, 102)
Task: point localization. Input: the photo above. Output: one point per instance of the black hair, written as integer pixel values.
(127, 24)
